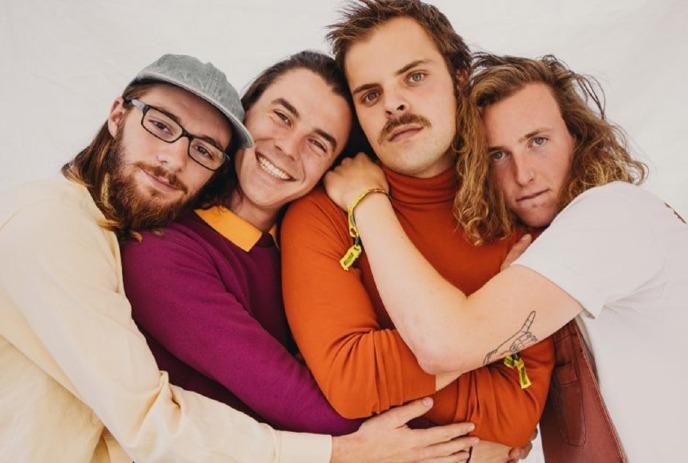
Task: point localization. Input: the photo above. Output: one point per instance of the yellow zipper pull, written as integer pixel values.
(351, 254)
(515, 361)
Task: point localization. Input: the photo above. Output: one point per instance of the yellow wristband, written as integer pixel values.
(356, 249)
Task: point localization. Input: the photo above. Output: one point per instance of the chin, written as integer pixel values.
(537, 220)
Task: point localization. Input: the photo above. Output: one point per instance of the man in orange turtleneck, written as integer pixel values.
(405, 65)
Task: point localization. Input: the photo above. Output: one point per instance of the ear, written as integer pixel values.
(116, 117)
(462, 77)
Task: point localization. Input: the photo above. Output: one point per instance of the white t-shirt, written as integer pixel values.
(622, 253)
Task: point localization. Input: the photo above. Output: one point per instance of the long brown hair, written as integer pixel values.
(600, 153)
(91, 167)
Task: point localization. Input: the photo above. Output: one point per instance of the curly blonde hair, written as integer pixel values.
(600, 153)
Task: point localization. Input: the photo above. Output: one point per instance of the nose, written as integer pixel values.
(395, 104)
(173, 156)
(288, 144)
(523, 169)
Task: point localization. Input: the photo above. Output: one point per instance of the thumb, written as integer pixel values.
(516, 250)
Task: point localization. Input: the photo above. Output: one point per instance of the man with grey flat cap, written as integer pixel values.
(78, 381)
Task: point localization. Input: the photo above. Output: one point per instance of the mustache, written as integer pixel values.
(404, 119)
(159, 171)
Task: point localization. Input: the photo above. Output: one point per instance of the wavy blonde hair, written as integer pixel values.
(600, 152)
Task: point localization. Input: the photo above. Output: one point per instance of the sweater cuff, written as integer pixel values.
(304, 447)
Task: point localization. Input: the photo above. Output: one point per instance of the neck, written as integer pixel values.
(259, 217)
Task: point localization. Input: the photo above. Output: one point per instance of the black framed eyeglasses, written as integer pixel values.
(163, 127)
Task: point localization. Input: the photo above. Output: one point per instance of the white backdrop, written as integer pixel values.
(62, 63)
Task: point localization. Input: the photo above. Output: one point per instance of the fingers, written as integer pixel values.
(449, 432)
(529, 322)
(458, 449)
(521, 453)
(401, 415)
(516, 250)
(460, 457)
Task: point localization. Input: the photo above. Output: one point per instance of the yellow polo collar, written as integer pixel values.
(233, 227)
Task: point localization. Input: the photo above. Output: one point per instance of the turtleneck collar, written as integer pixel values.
(422, 191)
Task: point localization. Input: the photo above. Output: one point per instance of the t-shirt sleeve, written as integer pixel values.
(601, 247)
(179, 299)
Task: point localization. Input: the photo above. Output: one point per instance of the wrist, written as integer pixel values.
(371, 202)
(343, 448)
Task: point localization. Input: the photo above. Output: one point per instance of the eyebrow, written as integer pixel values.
(522, 139)
(402, 70)
(206, 138)
(290, 107)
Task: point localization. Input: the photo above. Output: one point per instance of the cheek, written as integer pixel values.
(315, 168)
(502, 178)
(370, 124)
(197, 179)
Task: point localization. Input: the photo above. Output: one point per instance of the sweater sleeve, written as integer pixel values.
(178, 298)
(63, 308)
(364, 369)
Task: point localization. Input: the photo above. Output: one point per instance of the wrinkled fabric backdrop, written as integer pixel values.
(63, 62)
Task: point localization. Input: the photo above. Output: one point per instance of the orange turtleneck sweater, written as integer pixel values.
(348, 340)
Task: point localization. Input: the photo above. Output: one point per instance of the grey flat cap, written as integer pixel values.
(203, 80)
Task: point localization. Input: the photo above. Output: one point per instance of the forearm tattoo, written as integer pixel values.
(516, 343)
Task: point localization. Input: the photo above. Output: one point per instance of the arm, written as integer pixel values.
(515, 308)
(363, 368)
(205, 326)
(63, 306)
(88, 343)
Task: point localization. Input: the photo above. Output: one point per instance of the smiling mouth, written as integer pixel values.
(272, 169)
(404, 133)
(531, 196)
(160, 182)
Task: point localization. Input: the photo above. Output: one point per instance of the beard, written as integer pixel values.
(135, 210)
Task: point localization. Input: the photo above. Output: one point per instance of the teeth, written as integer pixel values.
(272, 169)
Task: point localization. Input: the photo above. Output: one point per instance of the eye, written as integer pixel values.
(318, 145)
(283, 117)
(204, 151)
(497, 155)
(539, 141)
(416, 76)
(370, 97)
(160, 126)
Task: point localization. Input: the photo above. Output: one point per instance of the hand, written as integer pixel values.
(386, 439)
(490, 452)
(523, 452)
(352, 177)
(516, 250)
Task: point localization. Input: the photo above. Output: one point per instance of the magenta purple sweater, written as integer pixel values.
(212, 314)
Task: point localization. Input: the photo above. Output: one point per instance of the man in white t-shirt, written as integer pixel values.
(610, 254)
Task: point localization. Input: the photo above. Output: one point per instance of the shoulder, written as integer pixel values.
(51, 211)
(614, 202)
(314, 209)
(314, 203)
(182, 239)
(612, 195)
(56, 196)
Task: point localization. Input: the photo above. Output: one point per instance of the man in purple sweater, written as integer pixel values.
(207, 291)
